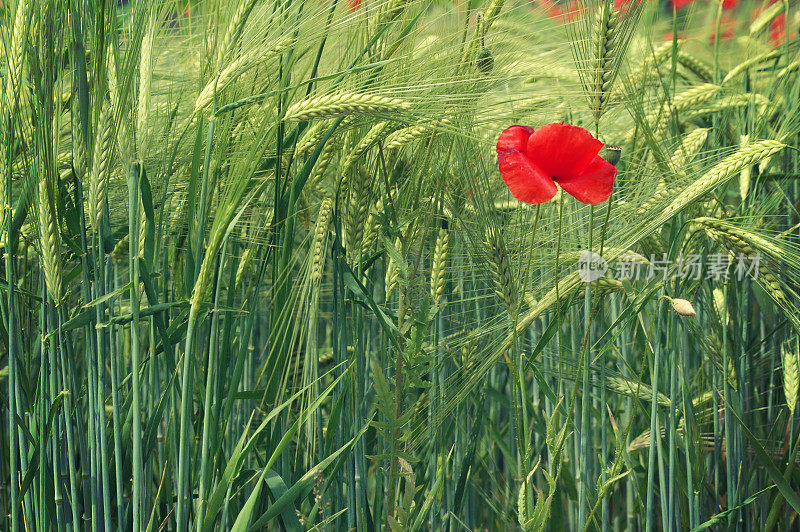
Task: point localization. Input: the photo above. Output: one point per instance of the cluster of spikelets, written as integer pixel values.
(372, 129)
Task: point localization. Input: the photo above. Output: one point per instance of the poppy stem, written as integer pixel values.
(520, 369)
(528, 266)
(585, 428)
(558, 295)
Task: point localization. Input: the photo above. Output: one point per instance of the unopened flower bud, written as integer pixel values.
(485, 61)
(683, 307)
(613, 154)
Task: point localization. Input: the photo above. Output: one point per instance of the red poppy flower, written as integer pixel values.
(623, 5)
(533, 161)
(679, 4)
(727, 27)
(777, 29)
(561, 11)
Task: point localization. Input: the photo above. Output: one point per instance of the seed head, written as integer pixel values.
(683, 307)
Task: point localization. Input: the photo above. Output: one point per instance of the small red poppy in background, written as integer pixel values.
(679, 4)
(777, 30)
(555, 10)
(727, 28)
(533, 161)
(353, 5)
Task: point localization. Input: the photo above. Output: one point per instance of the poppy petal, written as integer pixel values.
(526, 181)
(514, 138)
(562, 150)
(593, 185)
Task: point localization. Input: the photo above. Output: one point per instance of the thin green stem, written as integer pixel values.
(137, 504)
(586, 436)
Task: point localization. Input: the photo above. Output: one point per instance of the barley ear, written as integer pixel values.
(342, 104)
(403, 136)
(743, 242)
(101, 163)
(690, 146)
(234, 30)
(747, 155)
(392, 272)
(232, 72)
(49, 243)
(492, 12)
(312, 135)
(320, 241)
(142, 229)
(145, 78)
(605, 44)
(356, 215)
(205, 277)
(650, 62)
(16, 56)
(366, 142)
(120, 252)
(244, 265)
(123, 134)
(505, 281)
(324, 160)
(371, 229)
(696, 66)
(790, 377)
(441, 256)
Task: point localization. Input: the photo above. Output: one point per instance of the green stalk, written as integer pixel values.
(13, 391)
(585, 461)
(23, 444)
(43, 412)
(576, 416)
(727, 430)
(717, 463)
(654, 436)
(133, 250)
(398, 402)
(184, 473)
(603, 434)
(517, 358)
(673, 427)
(94, 391)
(73, 472)
(101, 427)
(117, 416)
(182, 501)
(204, 472)
(689, 436)
(99, 289)
(625, 355)
(741, 379)
(52, 371)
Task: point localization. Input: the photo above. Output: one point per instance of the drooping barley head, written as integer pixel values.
(790, 376)
(320, 241)
(101, 163)
(49, 243)
(441, 255)
(234, 30)
(348, 103)
(605, 44)
(502, 269)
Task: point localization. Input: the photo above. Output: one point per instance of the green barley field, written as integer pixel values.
(396, 265)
